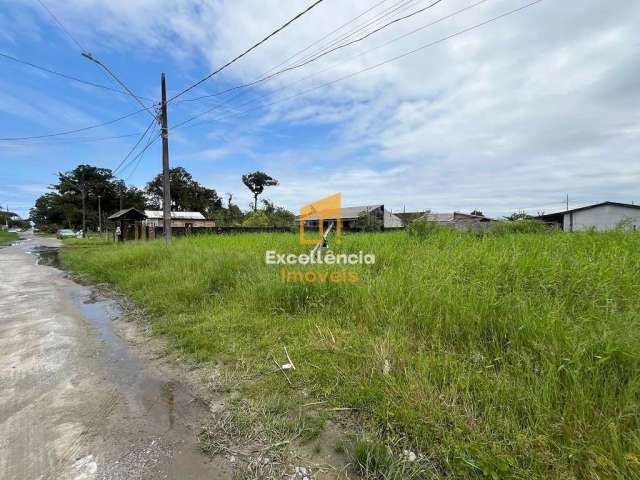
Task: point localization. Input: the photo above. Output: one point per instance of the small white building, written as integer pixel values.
(155, 218)
(601, 216)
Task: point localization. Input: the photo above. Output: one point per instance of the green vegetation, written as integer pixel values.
(491, 356)
(7, 237)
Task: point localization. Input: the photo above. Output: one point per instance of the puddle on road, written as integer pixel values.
(159, 406)
(47, 256)
(167, 406)
(163, 400)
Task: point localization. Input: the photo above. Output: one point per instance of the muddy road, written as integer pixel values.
(77, 400)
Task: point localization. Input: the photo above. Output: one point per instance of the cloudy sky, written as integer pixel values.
(514, 114)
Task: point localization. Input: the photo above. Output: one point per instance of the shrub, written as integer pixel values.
(423, 228)
(520, 226)
(256, 219)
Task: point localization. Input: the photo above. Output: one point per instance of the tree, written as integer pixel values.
(519, 215)
(62, 207)
(369, 222)
(477, 213)
(186, 194)
(256, 182)
(256, 219)
(278, 216)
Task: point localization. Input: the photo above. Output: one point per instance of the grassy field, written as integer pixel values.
(495, 356)
(7, 237)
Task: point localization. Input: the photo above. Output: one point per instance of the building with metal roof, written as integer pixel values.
(351, 215)
(599, 216)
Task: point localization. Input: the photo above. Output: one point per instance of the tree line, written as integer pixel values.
(61, 207)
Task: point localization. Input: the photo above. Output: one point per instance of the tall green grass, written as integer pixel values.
(499, 356)
(7, 237)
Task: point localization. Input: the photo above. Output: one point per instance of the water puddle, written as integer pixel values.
(148, 394)
(47, 256)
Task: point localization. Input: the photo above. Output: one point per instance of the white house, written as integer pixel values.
(155, 218)
(601, 216)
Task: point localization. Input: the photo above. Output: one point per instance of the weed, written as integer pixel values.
(513, 354)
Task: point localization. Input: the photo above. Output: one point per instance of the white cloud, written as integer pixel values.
(513, 114)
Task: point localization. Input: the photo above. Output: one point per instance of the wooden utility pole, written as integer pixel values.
(567, 201)
(83, 190)
(166, 203)
(99, 216)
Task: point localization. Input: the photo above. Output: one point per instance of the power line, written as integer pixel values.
(141, 156)
(82, 49)
(63, 75)
(88, 56)
(85, 53)
(326, 52)
(388, 13)
(284, 62)
(263, 79)
(253, 47)
(69, 132)
(153, 122)
(372, 67)
(267, 75)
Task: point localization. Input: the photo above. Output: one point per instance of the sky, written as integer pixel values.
(515, 114)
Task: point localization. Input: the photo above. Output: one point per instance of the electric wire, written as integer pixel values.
(120, 82)
(63, 75)
(286, 60)
(85, 53)
(264, 79)
(267, 75)
(388, 13)
(77, 130)
(367, 69)
(138, 158)
(317, 57)
(73, 39)
(253, 47)
(153, 122)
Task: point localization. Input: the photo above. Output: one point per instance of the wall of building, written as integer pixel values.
(604, 217)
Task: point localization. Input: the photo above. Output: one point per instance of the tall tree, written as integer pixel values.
(62, 207)
(186, 193)
(256, 182)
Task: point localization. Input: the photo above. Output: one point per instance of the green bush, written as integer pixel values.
(256, 219)
(520, 226)
(422, 228)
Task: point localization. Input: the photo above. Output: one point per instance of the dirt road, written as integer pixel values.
(76, 400)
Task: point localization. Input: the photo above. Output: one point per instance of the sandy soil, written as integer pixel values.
(83, 394)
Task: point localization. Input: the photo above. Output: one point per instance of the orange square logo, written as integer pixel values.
(321, 213)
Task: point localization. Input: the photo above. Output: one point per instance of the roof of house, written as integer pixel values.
(175, 215)
(408, 217)
(346, 213)
(128, 214)
(587, 207)
(454, 216)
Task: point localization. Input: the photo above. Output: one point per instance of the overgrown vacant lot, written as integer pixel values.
(506, 356)
(7, 237)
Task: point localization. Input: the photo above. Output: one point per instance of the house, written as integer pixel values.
(351, 215)
(462, 221)
(408, 217)
(601, 216)
(180, 220)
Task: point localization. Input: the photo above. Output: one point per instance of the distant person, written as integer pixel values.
(118, 234)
